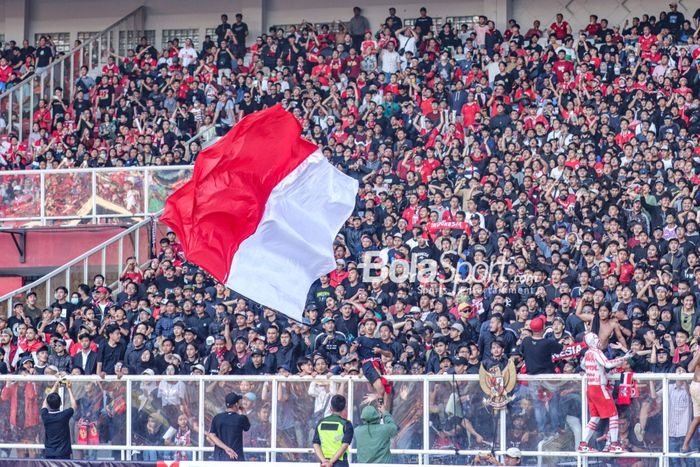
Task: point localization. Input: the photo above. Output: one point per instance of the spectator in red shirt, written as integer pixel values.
(559, 27)
(562, 65)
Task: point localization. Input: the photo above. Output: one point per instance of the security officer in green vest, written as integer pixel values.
(333, 436)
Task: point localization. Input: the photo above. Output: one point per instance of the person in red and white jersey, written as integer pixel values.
(600, 400)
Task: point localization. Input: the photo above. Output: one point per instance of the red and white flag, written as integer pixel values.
(262, 210)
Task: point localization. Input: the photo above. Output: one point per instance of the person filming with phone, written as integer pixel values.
(57, 442)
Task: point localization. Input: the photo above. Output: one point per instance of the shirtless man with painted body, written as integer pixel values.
(607, 324)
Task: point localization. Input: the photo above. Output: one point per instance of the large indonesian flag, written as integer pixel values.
(262, 210)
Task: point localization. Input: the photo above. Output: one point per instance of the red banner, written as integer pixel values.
(433, 226)
(570, 351)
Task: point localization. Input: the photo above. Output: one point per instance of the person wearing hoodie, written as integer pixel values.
(374, 436)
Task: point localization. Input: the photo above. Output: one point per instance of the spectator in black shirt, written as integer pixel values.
(247, 106)
(66, 307)
(240, 32)
(44, 54)
(348, 321)
(425, 23)
(168, 281)
(255, 364)
(222, 29)
(674, 18)
(538, 352)
(328, 344)
(226, 433)
(57, 442)
(392, 21)
(111, 351)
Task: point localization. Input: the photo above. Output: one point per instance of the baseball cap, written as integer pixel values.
(232, 398)
(457, 327)
(463, 306)
(351, 357)
(537, 324)
(514, 452)
(327, 319)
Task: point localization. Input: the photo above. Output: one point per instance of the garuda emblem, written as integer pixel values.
(497, 384)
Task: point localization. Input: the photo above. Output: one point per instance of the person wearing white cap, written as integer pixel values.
(513, 456)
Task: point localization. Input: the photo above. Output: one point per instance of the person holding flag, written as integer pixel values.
(600, 401)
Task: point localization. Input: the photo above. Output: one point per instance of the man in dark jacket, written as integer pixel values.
(254, 366)
(85, 359)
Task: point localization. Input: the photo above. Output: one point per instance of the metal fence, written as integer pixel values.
(107, 259)
(72, 196)
(19, 103)
(545, 419)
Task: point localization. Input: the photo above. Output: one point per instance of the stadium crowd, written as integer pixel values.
(551, 174)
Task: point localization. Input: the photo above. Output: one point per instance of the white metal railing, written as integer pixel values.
(72, 196)
(94, 195)
(19, 103)
(419, 404)
(107, 259)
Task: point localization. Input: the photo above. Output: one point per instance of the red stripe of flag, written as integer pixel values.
(224, 201)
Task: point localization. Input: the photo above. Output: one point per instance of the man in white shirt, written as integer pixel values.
(390, 60)
(188, 55)
(407, 40)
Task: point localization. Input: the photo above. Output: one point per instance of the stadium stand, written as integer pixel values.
(550, 173)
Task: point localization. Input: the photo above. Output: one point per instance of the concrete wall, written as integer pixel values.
(279, 11)
(577, 12)
(24, 18)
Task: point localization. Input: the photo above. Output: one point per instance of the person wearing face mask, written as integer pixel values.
(75, 300)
